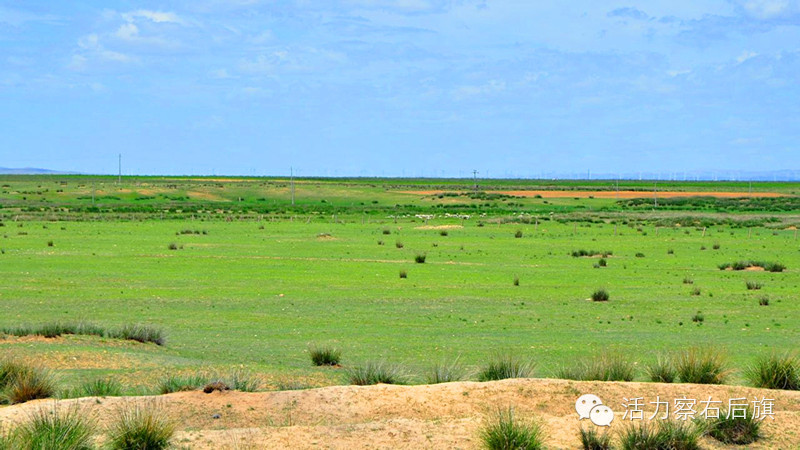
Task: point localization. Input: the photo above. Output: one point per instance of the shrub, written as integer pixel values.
(742, 265)
(600, 295)
(53, 429)
(775, 372)
(502, 367)
(670, 252)
(505, 432)
(662, 371)
(374, 372)
(179, 383)
(380, 242)
(516, 280)
(592, 440)
(696, 291)
(398, 244)
(698, 318)
(607, 367)
(244, 381)
(28, 383)
(640, 255)
(518, 234)
(172, 246)
(445, 373)
(715, 247)
(602, 262)
(688, 280)
(140, 333)
(387, 231)
(443, 233)
(763, 301)
(582, 253)
(403, 274)
(752, 285)
(701, 366)
(50, 243)
(325, 356)
(420, 258)
(139, 427)
(101, 387)
(741, 430)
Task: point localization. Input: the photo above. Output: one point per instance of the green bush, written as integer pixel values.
(607, 367)
(506, 366)
(179, 383)
(665, 435)
(600, 295)
(141, 428)
(325, 356)
(101, 387)
(506, 432)
(775, 372)
(27, 383)
(53, 429)
(374, 372)
(445, 373)
(420, 258)
(662, 371)
(752, 285)
(701, 366)
(140, 333)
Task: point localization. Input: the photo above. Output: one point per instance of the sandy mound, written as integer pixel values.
(446, 416)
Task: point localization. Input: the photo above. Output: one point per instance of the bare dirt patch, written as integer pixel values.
(615, 194)
(442, 416)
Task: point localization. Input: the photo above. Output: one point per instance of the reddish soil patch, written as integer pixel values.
(614, 194)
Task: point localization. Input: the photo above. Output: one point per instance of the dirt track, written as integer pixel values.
(446, 416)
(615, 194)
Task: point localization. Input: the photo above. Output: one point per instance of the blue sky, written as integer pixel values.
(400, 87)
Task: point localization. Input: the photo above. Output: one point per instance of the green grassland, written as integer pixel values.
(263, 280)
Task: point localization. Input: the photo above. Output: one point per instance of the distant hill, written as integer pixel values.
(32, 171)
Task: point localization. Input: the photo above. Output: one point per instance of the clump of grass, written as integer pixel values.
(420, 258)
(386, 231)
(589, 253)
(443, 233)
(398, 244)
(25, 383)
(670, 252)
(172, 246)
(763, 301)
(607, 367)
(698, 318)
(664, 435)
(141, 427)
(775, 372)
(50, 243)
(245, 381)
(701, 365)
(640, 255)
(687, 280)
(516, 280)
(592, 440)
(662, 371)
(48, 429)
(180, 383)
(325, 356)
(506, 366)
(504, 431)
(374, 372)
(742, 265)
(101, 387)
(518, 234)
(600, 295)
(444, 372)
(696, 291)
(380, 242)
(403, 274)
(140, 333)
(602, 262)
(740, 430)
(752, 285)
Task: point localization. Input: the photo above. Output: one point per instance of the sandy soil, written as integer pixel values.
(445, 416)
(615, 194)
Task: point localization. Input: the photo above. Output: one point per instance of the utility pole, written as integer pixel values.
(655, 194)
(119, 177)
(291, 176)
(475, 178)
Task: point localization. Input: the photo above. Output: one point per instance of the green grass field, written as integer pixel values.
(256, 293)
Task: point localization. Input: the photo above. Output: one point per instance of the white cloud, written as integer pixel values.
(127, 31)
(745, 56)
(770, 9)
(155, 16)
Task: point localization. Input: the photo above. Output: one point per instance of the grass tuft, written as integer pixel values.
(101, 387)
(662, 371)
(140, 428)
(506, 432)
(752, 285)
(445, 373)
(140, 333)
(53, 429)
(607, 367)
(600, 295)
(420, 258)
(374, 372)
(667, 435)
(742, 430)
(180, 383)
(325, 356)
(775, 372)
(22, 383)
(592, 440)
(502, 367)
(701, 365)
